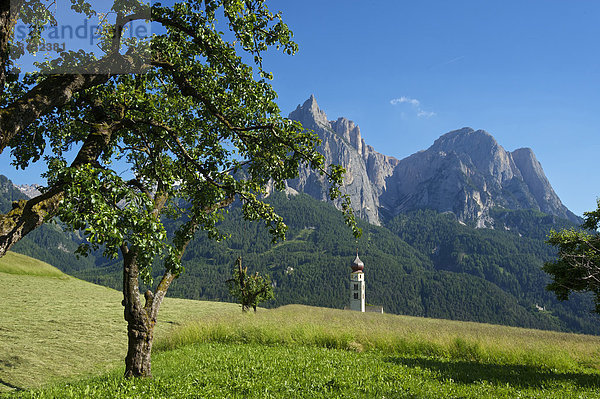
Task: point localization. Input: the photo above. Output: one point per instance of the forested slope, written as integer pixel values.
(425, 264)
(422, 263)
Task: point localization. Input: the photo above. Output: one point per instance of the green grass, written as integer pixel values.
(294, 325)
(59, 328)
(14, 263)
(69, 336)
(216, 370)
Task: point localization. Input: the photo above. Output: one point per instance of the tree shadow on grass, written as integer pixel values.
(9, 385)
(469, 372)
(7, 364)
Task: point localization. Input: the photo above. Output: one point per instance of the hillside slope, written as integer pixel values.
(14, 263)
(53, 326)
(423, 265)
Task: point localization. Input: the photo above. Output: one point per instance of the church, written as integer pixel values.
(357, 288)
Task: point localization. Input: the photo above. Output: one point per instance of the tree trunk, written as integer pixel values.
(140, 336)
(140, 326)
(140, 320)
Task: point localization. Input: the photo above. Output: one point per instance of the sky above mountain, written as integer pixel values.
(528, 72)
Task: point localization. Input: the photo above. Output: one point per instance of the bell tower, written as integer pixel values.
(357, 285)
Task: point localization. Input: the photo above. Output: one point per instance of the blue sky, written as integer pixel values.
(528, 72)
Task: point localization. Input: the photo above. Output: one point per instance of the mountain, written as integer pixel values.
(366, 169)
(468, 173)
(50, 242)
(29, 190)
(9, 193)
(465, 172)
(423, 254)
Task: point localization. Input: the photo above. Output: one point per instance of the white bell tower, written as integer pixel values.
(357, 285)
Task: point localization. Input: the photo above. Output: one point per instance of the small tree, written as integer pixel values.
(577, 268)
(251, 289)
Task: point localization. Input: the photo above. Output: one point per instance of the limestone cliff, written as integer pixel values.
(366, 170)
(465, 172)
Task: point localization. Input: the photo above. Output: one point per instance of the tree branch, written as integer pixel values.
(54, 91)
(168, 276)
(57, 89)
(27, 215)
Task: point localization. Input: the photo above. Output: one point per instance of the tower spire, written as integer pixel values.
(357, 264)
(357, 285)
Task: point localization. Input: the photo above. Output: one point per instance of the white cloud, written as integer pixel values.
(421, 113)
(425, 114)
(403, 99)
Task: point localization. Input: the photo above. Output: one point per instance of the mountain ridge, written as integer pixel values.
(342, 143)
(464, 171)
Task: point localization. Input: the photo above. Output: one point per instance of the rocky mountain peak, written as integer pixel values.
(30, 190)
(342, 144)
(350, 132)
(310, 115)
(524, 154)
(478, 149)
(539, 186)
(465, 139)
(468, 173)
(465, 171)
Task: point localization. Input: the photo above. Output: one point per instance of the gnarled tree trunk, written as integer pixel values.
(140, 335)
(140, 326)
(140, 319)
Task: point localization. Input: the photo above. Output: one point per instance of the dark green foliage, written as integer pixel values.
(527, 222)
(423, 264)
(56, 246)
(447, 271)
(50, 242)
(510, 257)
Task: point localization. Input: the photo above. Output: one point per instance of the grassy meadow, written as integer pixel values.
(63, 337)
(55, 327)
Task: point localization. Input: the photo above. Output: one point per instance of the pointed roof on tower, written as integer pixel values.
(357, 264)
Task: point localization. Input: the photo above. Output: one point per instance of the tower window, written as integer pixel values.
(356, 295)
(356, 287)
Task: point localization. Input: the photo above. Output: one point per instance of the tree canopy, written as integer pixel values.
(249, 289)
(195, 127)
(577, 268)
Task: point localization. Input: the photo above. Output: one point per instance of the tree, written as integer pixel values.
(195, 125)
(577, 268)
(28, 102)
(249, 289)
